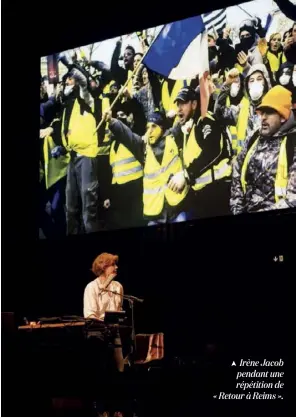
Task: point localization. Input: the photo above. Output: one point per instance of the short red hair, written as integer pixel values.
(102, 261)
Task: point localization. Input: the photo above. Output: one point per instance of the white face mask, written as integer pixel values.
(234, 89)
(186, 128)
(284, 79)
(256, 90)
(68, 90)
(294, 78)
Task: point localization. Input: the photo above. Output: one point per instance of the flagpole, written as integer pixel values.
(215, 32)
(126, 83)
(252, 17)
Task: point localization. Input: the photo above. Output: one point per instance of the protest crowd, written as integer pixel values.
(122, 145)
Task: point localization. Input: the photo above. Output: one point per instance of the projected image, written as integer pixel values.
(188, 120)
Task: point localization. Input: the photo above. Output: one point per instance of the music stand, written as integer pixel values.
(114, 317)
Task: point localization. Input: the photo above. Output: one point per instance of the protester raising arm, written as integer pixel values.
(122, 133)
(228, 115)
(287, 8)
(106, 75)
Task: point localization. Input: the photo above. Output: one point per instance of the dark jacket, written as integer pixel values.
(287, 8)
(106, 75)
(149, 96)
(226, 55)
(208, 135)
(227, 115)
(47, 109)
(119, 74)
(290, 53)
(134, 142)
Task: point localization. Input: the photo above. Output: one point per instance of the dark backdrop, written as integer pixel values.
(207, 281)
(212, 280)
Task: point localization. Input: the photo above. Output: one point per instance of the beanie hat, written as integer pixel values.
(157, 118)
(279, 99)
(248, 26)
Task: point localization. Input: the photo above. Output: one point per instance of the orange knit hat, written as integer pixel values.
(279, 99)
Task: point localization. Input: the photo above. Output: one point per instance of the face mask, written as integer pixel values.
(256, 90)
(186, 128)
(294, 78)
(68, 90)
(284, 79)
(234, 89)
(247, 43)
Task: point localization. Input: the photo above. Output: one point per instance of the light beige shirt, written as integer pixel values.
(96, 301)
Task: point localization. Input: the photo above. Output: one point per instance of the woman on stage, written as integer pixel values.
(105, 294)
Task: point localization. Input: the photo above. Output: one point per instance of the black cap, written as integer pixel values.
(186, 94)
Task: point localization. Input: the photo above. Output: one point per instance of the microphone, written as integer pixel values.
(133, 298)
(109, 280)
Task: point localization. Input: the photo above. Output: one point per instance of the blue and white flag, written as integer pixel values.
(216, 20)
(268, 23)
(180, 51)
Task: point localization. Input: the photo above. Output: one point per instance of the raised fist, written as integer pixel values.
(232, 76)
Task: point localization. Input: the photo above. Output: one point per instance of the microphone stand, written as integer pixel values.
(131, 300)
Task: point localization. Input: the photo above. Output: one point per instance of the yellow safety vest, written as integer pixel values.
(191, 151)
(156, 177)
(106, 89)
(81, 138)
(125, 167)
(275, 61)
(239, 68)
(281, 179)
(169, 98)
(104, 147)
(54, 168)
(239, 132)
